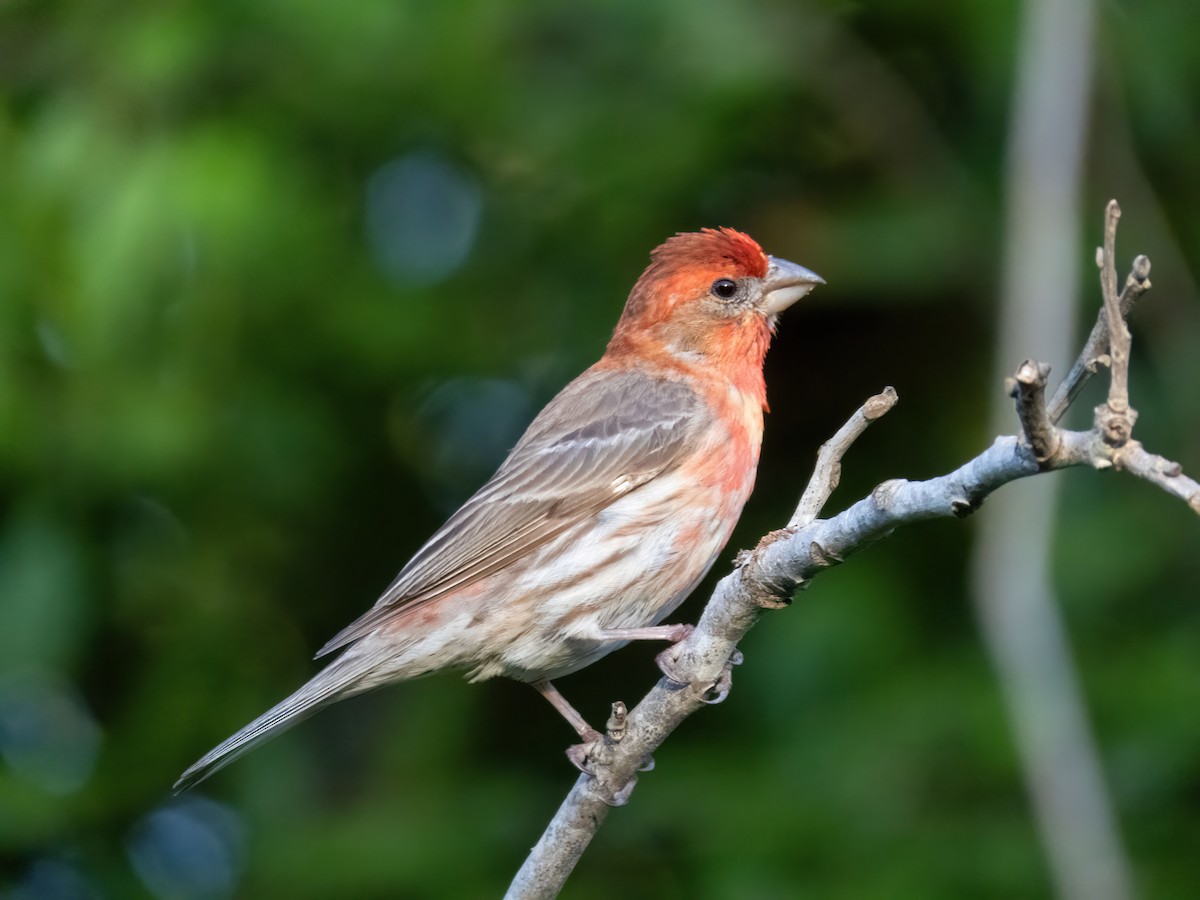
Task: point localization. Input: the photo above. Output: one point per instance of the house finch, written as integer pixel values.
(607, 512)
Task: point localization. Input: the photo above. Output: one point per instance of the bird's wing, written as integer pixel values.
(603, 436)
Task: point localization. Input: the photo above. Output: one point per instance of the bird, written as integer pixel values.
(603, 517)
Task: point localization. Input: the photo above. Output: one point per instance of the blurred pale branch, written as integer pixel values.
(786, 560)
(1015, 598)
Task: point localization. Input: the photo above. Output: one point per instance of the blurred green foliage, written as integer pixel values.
(279, 285)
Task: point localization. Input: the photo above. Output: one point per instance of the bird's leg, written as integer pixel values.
(576, 753)
(579, 754)
(672, 633)
(716, 693)
(666, 660)
(567, 711)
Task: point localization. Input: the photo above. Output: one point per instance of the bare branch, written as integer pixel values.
(1168, 475)
(1119, 338)
(828, 470)
(786, 560)
(1095, 351)
(782, 563)
(1028, 388)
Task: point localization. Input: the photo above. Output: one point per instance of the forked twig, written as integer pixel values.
(828, 470)
(785, 560)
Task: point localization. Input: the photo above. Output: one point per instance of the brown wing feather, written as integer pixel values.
(604, 435)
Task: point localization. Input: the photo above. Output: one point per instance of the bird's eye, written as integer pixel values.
(724, 288)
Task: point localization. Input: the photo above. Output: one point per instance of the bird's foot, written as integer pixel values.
(717, 691)
(621, 797)
(720, 688)
(591, 755)
(667, 660)
(596, 744)
(583, 756)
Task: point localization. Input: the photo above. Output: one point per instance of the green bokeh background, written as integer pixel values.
(232, 403)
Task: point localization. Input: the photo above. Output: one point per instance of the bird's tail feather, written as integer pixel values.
(341, 678)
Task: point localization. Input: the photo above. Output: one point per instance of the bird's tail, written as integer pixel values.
(342, 678)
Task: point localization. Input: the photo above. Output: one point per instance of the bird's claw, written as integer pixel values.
(666, 664)
(666, 659)
(581, 756)
(718, 692)
(621, 797)
(720, 688)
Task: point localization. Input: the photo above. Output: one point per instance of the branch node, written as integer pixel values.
(617, 722)
(822, 556)
(962, 507)
(769, 601)
(768, 539)
(1115, 425)
(883, 493)
(1139, 275)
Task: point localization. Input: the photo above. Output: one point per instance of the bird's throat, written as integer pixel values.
(737, 351)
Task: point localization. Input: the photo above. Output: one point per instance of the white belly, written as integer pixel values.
(629, 567)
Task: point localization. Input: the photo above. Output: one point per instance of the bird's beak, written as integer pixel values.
(786, 283)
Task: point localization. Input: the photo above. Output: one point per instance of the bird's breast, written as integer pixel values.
(732, 443)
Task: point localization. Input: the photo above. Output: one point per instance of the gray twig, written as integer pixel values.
(1028, 388)
(1118, 332)
(785, 560)
(828, 470)
(1095, 351)
(1158, 470)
